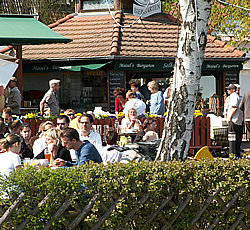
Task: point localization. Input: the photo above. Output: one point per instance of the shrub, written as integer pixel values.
(132, 183)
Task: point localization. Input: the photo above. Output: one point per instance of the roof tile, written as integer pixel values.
(99, 36)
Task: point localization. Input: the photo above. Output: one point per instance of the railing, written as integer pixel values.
(72, 214)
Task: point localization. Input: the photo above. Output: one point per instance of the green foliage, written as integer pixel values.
(48, 11)
(131, 182)
(231, 22)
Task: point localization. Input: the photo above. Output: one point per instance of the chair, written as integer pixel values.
(203, 153)
(214, 104)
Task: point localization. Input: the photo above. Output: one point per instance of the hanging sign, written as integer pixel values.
(147, 7)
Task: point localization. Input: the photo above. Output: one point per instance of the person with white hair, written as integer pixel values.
(50, 102)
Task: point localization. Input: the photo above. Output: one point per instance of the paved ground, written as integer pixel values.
(245, 145)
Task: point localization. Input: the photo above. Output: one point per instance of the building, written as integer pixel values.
(104, 55)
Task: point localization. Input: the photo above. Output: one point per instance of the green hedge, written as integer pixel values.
(131, 181)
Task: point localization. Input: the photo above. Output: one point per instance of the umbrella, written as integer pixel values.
(7, 69)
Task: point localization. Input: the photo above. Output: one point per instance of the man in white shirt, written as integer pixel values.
(85, 132)
(235, 116)
(134, 102)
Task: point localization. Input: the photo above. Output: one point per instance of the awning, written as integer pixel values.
(26, 30)
(85, 67)
(7, 69)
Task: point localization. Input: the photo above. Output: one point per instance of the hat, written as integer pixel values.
(13, 79)
(231, 86)
(237, 85)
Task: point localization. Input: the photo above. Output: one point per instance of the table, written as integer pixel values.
(220, 135)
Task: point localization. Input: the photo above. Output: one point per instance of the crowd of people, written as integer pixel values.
(73, 140)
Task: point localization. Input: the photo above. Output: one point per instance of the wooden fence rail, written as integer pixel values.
(78, 215)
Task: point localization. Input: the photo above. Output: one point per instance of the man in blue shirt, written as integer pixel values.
(85, 151)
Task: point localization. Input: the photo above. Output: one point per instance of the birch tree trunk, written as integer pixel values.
(187, 73)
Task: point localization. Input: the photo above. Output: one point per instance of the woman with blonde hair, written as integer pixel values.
(39, 144)
(156, 99)
(9, 159)
(131, 122)
(53, 136)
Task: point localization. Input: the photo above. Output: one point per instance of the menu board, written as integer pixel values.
(231, 77)
(116, 79)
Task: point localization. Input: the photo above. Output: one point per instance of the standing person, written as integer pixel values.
(235, 116)
(49, 101)
(85, 151)
(245, 107)
(14, 99)
(156, 99)
(146, 93)
(85, 132)
(168, 92)
(2, 99)
(10, 160)
(120, 99)
(135, 85)
(134, 102)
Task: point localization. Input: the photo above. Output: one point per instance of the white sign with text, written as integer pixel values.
(147, 7)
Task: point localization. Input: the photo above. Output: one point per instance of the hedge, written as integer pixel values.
(141, 187)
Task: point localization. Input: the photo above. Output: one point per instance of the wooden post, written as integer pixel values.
(20, 71)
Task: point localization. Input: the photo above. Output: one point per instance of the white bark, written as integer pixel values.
(187, 72)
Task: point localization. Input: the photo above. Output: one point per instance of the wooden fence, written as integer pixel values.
(73, 215)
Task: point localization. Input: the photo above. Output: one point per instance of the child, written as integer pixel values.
(110, 155)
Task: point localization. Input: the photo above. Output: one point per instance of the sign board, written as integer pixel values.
(169, 65)
(116, 79)
(145, 8)
(144, 65)
(208, 65)
(231, 77)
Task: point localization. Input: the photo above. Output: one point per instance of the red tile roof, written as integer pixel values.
(98, 36)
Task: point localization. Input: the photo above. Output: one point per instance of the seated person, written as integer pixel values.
(14, 127)
(85, 151)
(85, 132)
(26, 147)
(150, 136)
(110, 155)
(149, 125)
(130, 122)
(53, 135)
(70, 113)
(39, 143)
(9, 158)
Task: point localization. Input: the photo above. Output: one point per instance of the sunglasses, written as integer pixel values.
(71, 114)
(61, 123)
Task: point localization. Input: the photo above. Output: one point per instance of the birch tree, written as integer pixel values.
(187, 74)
